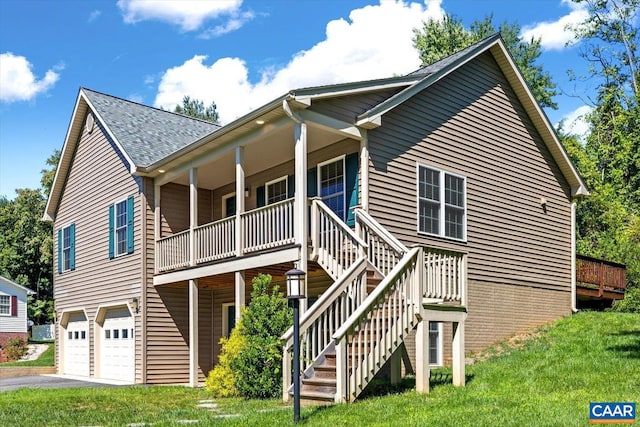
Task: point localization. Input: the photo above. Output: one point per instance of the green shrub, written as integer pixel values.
(630, 303)
(15, 348)
(221, 381)
(258, 367)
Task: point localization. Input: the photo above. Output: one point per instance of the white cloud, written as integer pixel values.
(555, 35)
(189, 15)
(17, 81)
(354, 49)
(94, 15)
(575, 122)
(235, 22)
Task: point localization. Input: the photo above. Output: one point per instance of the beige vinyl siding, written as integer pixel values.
(347, 108)
(173, 201)
(471, 124)
(98, 177)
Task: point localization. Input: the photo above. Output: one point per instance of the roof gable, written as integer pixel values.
(143, 134)
(495, 45)
(12, 284)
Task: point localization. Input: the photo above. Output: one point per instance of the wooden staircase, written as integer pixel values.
(377, 298)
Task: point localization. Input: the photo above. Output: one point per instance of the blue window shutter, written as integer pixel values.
(72, 251)
(351, 166)
(59, 251)
(312, 182)
(111, 227)
(261, 199)
(130, 224)
(291, 186)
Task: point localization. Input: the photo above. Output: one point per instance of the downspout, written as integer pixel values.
(574, 307)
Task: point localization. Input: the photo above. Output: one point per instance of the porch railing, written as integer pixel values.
(263, 228)
(268, 227)
(173, 251)
(445, 275)
(215, 240)
(601, 274)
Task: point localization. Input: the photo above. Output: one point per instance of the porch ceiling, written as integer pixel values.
(276, 148)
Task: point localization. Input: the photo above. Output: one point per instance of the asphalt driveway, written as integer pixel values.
(47, 381)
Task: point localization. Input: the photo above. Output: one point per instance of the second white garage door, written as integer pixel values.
(117, 346)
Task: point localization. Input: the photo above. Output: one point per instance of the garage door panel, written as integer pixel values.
(76, 346)
(117, 346)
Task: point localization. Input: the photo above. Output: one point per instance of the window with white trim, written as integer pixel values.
(435, 343)
(66, 248)
(331, 185)
(121, 228)
(5, 305)
(442, 208)
(276, 190)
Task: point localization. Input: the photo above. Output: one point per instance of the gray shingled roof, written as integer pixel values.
(147, 134)
(453, 58)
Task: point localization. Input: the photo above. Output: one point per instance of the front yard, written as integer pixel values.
(548, 381)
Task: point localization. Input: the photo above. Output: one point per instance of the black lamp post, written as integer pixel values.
(295, 292)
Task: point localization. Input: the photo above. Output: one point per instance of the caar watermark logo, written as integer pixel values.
(612, 412)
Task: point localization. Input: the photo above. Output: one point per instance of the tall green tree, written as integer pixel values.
(26, 243)
(608, 221)
(440, 38)
(49, 173)
(195, 108)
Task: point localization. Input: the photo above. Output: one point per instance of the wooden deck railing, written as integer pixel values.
(263, 228)
(445, 275)
(604, 275)
(268, 227)
(384, 249)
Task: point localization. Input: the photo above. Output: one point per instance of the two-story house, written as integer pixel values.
(439, 197)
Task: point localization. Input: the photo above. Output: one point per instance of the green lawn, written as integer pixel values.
(549, 381)
(46, 359)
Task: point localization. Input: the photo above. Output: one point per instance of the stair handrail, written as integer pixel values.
(331, 254)
(410, 264)
(363, 216)
(345, 287)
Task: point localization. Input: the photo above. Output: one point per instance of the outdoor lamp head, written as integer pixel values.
(295, 284)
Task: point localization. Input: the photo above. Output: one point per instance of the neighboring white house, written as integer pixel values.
(13, 310)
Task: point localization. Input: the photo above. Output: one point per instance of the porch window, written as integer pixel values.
(66, 248)
(441, 203)
(5, 305)
(228, 205)
(277, 190)
(331, 185)
(121, 228)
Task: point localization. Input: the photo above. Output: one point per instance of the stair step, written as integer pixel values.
(317, 396)
(323, 371)
(320, 381)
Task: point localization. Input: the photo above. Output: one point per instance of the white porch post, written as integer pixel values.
(458, 354)
(157, 225)
(422, 357)
(193, 333)
(193, 213)
(364, 171)
(239, 198)
(240, 291)
(300, 212)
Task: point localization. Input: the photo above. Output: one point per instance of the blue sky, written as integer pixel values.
(240, 54)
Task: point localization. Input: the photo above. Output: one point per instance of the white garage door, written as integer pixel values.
(76, 345)
(117, 346)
